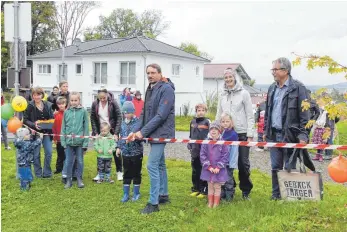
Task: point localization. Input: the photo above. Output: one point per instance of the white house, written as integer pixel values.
(118, 63)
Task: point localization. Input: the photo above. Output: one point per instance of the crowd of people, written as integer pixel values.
(279, 119)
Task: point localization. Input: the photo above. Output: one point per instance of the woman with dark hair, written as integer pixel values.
(125, 96)
(105, 109)
(40, 110)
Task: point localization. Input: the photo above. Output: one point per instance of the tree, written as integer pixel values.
(5, 56)
(193, 49)
(125, 23)
(252, 82)
(335, 109)
(43, 35)
(69, 18)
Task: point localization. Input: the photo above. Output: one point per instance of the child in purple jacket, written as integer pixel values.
(214, 159)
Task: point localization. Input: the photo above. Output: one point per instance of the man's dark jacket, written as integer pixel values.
(294, 119)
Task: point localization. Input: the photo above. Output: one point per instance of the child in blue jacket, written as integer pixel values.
(229, 134)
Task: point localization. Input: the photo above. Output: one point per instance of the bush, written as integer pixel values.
(186, 109)
(212, 104)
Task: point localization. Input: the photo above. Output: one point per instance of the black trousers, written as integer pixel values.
(198, 184)
(228, 189)
(60, 157)
(244, 166)
(132, 169)
(118, 162)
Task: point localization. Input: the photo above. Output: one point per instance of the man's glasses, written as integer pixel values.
(276, 69)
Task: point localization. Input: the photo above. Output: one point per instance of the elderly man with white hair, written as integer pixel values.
(236, 101)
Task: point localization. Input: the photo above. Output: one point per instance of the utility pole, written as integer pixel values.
(62, 59)
(16, 46)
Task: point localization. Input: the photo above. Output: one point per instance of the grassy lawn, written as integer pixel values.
(48, 207)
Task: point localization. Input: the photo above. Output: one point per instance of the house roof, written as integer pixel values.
(252, 90)
(217, 70)
(119, 45)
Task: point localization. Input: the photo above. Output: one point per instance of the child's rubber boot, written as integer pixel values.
(216, 201)
(210, 201)
(68, 183)
(201, 196)
(194, 194)
(126, 189)
(136, 195)
(80, 182)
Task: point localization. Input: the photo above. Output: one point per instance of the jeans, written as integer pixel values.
(104, 168)
(260, 139)
(47, 146)
(26, 177)
(157, 173)
(4, 135)
(244, 166)
(74, 155)
(279, 159)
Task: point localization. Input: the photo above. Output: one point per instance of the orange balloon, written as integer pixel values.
(14, 124)
(338, 169)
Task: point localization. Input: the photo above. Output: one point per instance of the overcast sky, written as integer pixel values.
(253, 34)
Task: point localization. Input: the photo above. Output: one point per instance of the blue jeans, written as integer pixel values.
(47, 147)
(26, 177)
(74, 154)
(157, 173)
(279, 160)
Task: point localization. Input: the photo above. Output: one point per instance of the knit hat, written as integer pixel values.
(216, 125)
(128, 107)
(138, 93)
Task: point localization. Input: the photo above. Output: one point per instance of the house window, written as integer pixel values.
(176, 68)
(197, 71)
(60, 74)
(44, 68)
(78, 68)
(95, 97)
(100, 73)
(127, 73)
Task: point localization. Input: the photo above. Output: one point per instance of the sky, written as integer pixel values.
(252, 33)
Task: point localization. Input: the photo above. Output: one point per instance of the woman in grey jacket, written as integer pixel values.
(236, 101)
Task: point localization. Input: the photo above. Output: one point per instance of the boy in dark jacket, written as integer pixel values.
(132, 153)
(25, 156)
(199, 128)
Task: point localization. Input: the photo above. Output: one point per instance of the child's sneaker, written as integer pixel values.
(194, 194)
(119, 176)
(110, 181)
(99, 181)
(96, 178)
(7, 148)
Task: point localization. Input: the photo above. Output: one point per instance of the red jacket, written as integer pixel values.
(138, 106)
(58, 120)
(261, 122)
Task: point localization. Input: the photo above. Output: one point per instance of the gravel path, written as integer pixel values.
(259, 160)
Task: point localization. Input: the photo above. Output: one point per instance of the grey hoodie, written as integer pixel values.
(237, 102)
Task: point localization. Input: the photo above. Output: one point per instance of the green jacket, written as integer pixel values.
(75, 122)
(105, 144)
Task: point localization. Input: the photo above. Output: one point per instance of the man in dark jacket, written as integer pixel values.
(53, 97)
(284, 119)
(64, 92)
(314, 110)
(157, 120)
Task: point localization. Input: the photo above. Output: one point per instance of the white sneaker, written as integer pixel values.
(96, 178)
(119, 176)
(7, 148)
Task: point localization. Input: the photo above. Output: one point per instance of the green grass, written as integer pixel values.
(48, 207)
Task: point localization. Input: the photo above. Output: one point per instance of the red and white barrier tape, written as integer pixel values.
(221, 142)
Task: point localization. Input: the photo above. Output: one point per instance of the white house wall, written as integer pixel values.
(189, 86)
